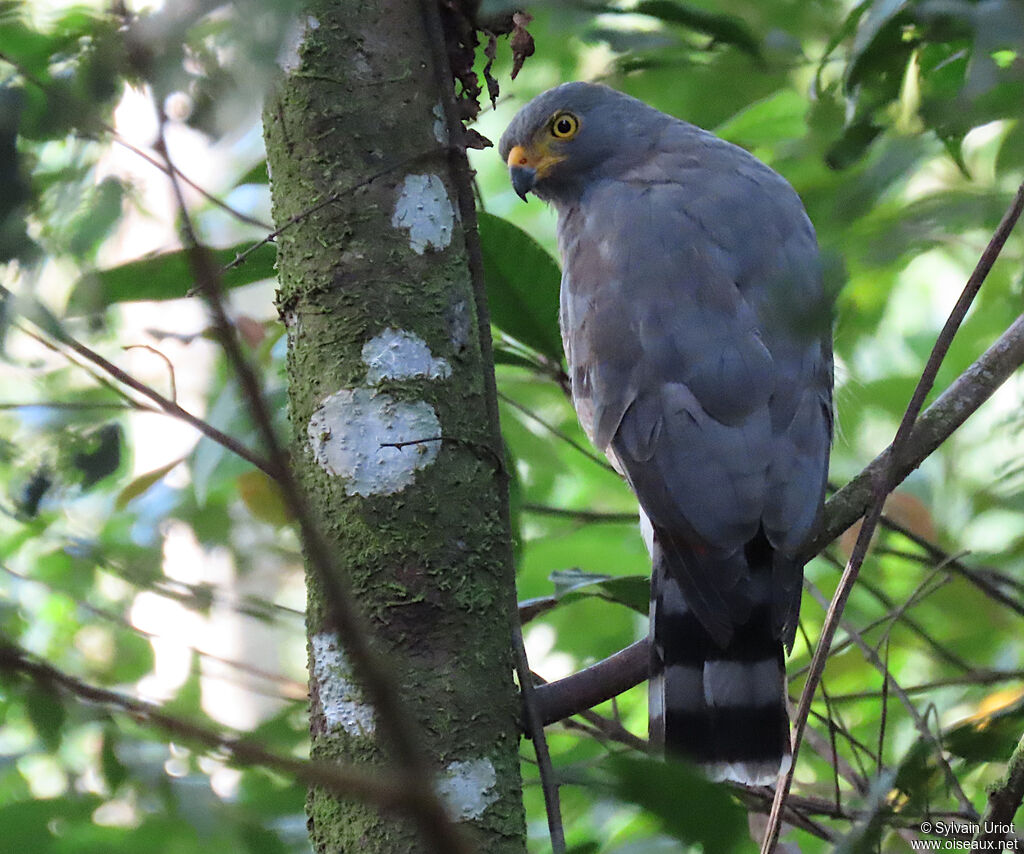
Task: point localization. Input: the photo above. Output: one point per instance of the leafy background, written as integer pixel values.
(135, 555)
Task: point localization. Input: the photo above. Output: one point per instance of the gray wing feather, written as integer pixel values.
(698, 350)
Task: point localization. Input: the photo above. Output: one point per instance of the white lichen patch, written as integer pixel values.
(468, 788)
(424, 209)
(352, 434)
(340, 699)
(440, 124)
(396, 354)
(288, 58)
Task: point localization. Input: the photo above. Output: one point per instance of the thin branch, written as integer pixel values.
(883, 481)
(595, 684)
(976, 677)
(74, 405)
(554, 431)
(952, 408)
(965, 395)
(898, 614)
(1003, 802)
(295, 690)
(241, 257)
(398, 726)
(479, 448)
(210, 197)
(165, 404)
(167, 361)
(581, 515)
(919, 720)
(384, 790)
(97, 376)
(117, 138)
(980, 578)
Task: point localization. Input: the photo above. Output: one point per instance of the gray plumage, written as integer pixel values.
(697, 337)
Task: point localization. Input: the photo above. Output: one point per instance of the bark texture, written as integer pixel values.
(384, 348)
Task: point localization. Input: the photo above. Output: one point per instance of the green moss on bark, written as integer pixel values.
(428, 562)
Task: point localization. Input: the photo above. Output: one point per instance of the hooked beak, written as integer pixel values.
(521, 171)
(523, 179)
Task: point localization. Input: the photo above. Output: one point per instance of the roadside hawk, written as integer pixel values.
(698, 340)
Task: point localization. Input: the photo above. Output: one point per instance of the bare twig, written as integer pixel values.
(293, 690)
(898, 613)
(166, 405)
(167, 361)
(581, 515)
(479, 448)
(241, 257)
(975, 677)
(73, 405)
(149, 158)
(387, 791)
(597, 683)
(919, 720)
(117, 138)
(1003, 802)
(554, 431)
(983, 579)
(884, 479)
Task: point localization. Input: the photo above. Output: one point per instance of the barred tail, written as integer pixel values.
(721, 707)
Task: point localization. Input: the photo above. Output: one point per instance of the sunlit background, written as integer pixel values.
(175, 578)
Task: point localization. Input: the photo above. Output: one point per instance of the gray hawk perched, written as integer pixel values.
(698, 340)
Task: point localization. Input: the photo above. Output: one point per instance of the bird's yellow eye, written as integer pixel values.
(564, 126)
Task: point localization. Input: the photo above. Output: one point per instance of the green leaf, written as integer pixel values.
(91, 227)
(263, 498)
(29, 826)
(46, 711)
(142, 483)
(989, 739)
(257, 175)
(722, 28)
(522, 285)
(878, 41)
(114, 771)
(584, 848)
(259, 840)
(671, 791)
(850, 147)
(780, 116)
(633, 591)
(165, 276)
(133, 659)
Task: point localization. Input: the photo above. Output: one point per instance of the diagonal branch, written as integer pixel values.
(954, 406)
(384, 790)
(882, 480)
(1003, 802)
(612, 676)
(166, 405)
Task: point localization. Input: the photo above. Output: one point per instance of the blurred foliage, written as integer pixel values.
(132, 560)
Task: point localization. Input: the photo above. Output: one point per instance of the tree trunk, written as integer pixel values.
(385, 347)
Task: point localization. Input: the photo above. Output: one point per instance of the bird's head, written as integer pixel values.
(572, 134)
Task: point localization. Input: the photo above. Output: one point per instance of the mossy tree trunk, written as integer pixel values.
(385, 349)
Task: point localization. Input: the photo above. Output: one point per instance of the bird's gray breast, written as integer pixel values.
(673, 354)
